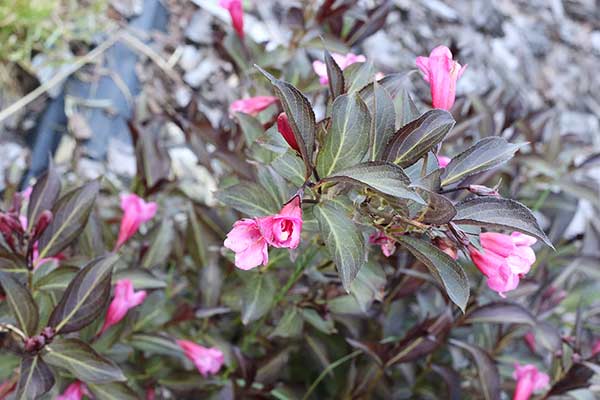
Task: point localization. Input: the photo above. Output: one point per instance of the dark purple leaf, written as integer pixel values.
(43, 195)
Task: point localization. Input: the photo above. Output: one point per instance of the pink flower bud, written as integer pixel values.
(441, 72)
(529, 380)
(208, 360)
(75, 391)
(7, 388)
(596, 348)
(283, 126)
(529, 338)
(42, 223)
(504, 260)
(388, 245)
(252, 105)
(343, 61)
(125, 299)
(481, 190)
(236, 11)
(135, 212)
(447, 246)
(443, 161)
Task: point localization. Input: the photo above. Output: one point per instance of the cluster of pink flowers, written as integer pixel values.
(442, 73)
(236, 12)
(135, 212)
(250, 238)
(125, 298)
(342, 60)
(208, 360)
(504, 260)
(529, 380)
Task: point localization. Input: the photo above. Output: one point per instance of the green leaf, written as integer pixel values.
(161, 242)
(335, 76)
(86, 296)
(418, 137)
(21, 304)
(257, 296)
(324, 325)
(369, 285)
(155, 344)
(197, 238)
(251, 127)
(43, 195)
(112, 391)
(70, 215)
(392, 83)
(273, 183)
(58, 279)
(248, 198)
(482, 156)
(498, 213)
(405, 107)
(35, 378)
(140, 278)
(443, 268)
(383, 120)
(381, 176)
(500, 312)
(290, 324)
(300, 115)
(440, 209)
(347, 140)
(344, 241)
(489, 377)
(358, 75)
(290, 166)
(82, 361)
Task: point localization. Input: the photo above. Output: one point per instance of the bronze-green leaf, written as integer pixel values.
(21, 304)
(43, 195)
(35, 378)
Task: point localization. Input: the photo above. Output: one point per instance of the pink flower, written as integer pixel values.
(208, 360)
(388, 246)
(284, 128)
(135, 212)
(250, 247)
(443, 161)
(529, 380)
(75, 391)
(343, 61)
(125, 299)
(236, 11)
(252, 105)
(283, 229)
(249, 238)
(505, 259)
(596, 348)
(441, 72)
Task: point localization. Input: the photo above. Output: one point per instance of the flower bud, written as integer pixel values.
(481, 190)
(42, 223)
(283, 126)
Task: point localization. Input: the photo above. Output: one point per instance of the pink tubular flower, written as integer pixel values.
(236, 11)
(284, 128)
(75, 391)
(529, 380)
(283, 229)
(441, 72)
(252, 105)
(135, 212)
(388, 246)
(208, 360)
(249, 238)
(343, 61)
(125, 299)
(443, 161)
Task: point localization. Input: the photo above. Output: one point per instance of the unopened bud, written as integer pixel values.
(42, 223)
(48, 332)
(481, 190)
(283, 126)
(12, 223)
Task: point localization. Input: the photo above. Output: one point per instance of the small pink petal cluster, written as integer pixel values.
(388, 245)
(250, 238)
(505, 259)
(135, 212)
(208, 360)
(252, 105)
(125, 299)
(285, 129)
(529, 380)
(75, 391)
(343, 61)
(443, 161)
(441, 72)
(236, 11)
